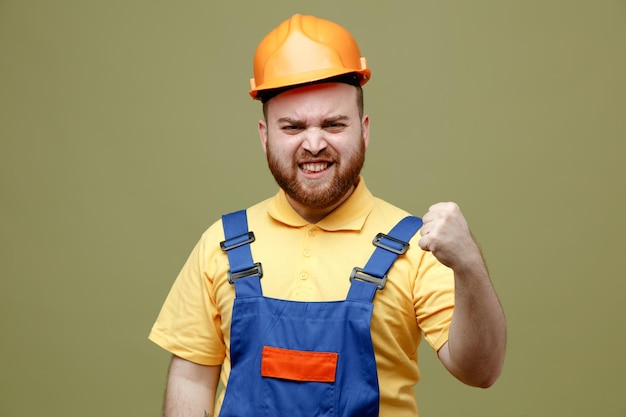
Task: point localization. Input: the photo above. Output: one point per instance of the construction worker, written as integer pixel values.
(314, 301)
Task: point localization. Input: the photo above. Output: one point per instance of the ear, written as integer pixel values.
(365, 126)
(262, 127)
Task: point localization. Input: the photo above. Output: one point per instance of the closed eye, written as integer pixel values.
(291, 128)
(334, 127)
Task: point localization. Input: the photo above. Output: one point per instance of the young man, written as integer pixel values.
(333, 326)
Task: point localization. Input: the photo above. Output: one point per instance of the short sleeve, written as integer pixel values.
(434, 300)
(188, 324)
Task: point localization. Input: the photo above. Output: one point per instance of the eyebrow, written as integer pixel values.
(289, 120)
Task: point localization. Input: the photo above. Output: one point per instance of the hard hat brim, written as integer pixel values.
(305, 78)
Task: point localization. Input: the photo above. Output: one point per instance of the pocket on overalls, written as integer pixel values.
(298, 382)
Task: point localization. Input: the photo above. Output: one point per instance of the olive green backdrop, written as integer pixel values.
(126, 129)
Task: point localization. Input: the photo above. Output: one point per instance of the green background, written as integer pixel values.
(126, 129)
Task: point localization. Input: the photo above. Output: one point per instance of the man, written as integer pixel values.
(291, 301)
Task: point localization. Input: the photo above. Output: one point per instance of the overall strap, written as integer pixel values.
(367, 280)
(237, 247)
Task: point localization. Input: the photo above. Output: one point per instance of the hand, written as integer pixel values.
(446, 234)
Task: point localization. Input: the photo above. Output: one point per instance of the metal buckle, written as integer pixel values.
(357, 273)
(257, 269)
(378, 241)
(237, 241)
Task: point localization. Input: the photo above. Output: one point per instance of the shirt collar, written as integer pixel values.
(350, 215)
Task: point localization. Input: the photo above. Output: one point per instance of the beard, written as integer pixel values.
(317, 194)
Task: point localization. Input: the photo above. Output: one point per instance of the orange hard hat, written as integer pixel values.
(305, 49)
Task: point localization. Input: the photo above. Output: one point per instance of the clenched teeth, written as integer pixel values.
(315, 167)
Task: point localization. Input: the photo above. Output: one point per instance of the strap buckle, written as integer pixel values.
(257, 269)
(378, 241)
(237, 241)
(357, 273)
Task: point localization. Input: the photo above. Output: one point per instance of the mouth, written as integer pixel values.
(314, 167)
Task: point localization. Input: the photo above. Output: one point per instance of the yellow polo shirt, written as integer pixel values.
(313, 262)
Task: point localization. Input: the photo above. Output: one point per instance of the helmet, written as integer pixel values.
(305, 49)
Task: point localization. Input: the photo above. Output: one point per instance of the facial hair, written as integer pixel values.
(323, 193)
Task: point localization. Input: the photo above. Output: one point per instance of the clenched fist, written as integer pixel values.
(446, 234)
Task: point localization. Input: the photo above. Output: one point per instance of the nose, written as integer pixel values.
(314, 141)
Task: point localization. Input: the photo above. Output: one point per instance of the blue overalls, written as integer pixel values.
(296, 359)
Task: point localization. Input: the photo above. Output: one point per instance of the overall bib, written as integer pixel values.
(296, 359)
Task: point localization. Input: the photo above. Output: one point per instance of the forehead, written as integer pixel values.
(317, 100)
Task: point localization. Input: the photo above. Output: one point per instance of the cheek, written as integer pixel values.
(350, 150)
(279, 154)
(286, 147)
